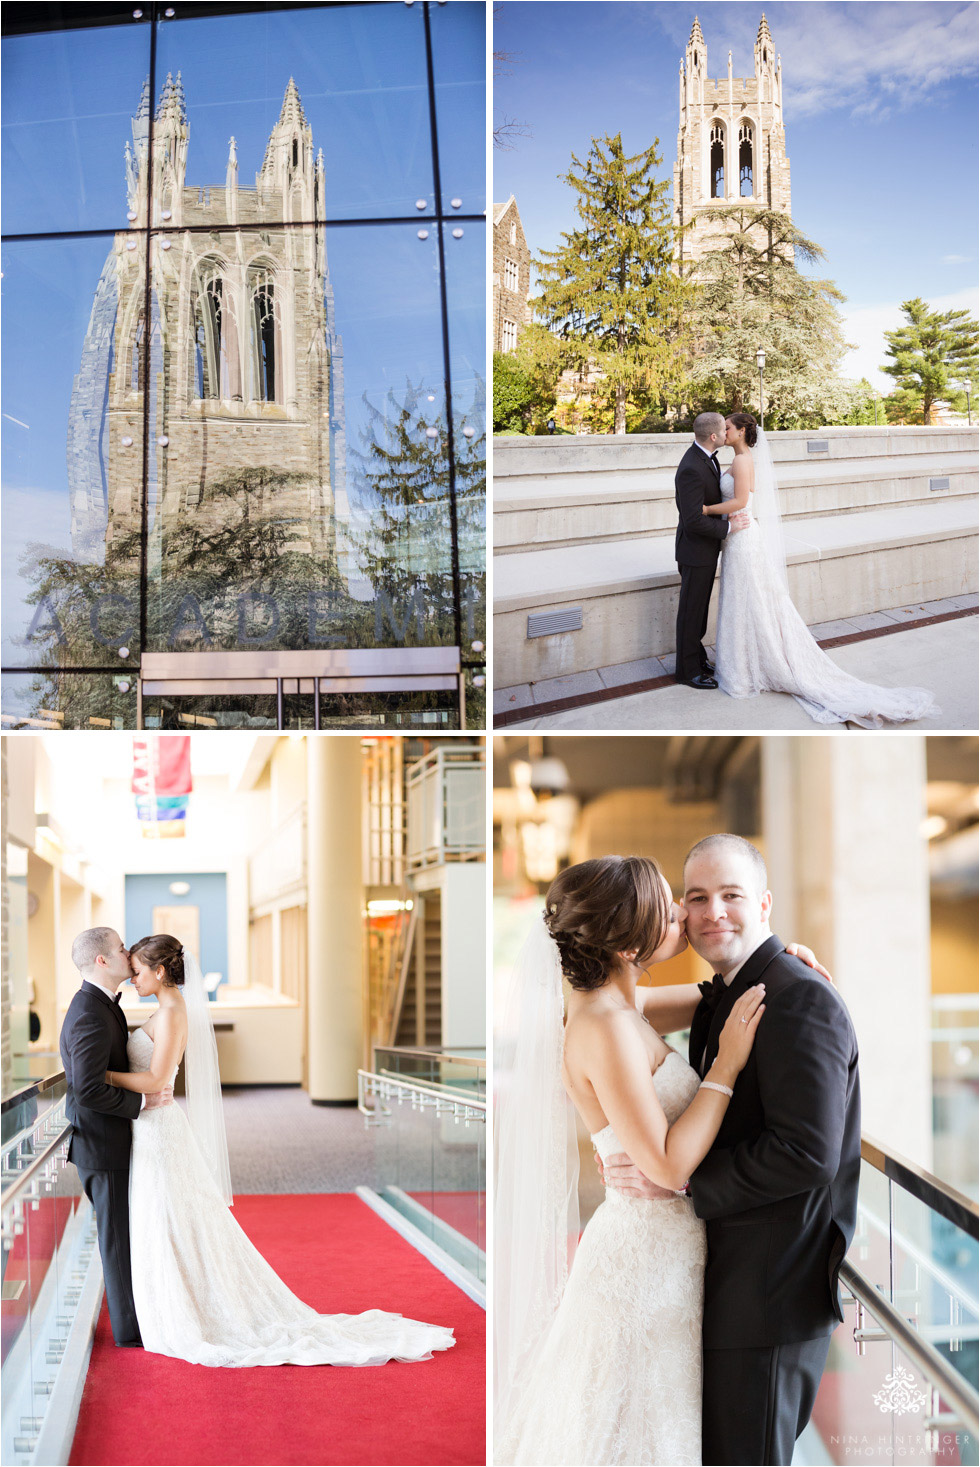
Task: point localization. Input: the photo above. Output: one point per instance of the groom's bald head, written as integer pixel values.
(706, 424)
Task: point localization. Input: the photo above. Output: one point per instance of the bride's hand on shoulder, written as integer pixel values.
(738, 1035)
(807, 955)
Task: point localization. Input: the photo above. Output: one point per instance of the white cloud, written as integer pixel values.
(956, 259)
(865, 327)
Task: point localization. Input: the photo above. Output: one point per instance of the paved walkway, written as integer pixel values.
(942, 657)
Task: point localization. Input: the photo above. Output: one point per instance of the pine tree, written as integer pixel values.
(610, 290)
(750, 295)
(932, 355)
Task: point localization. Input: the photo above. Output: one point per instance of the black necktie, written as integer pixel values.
(117, 998)
(713, 992)
(714, 460)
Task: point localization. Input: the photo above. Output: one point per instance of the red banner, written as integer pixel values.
(162, 766)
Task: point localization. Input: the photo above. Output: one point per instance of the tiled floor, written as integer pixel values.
(942, 657)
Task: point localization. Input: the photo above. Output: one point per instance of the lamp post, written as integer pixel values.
(760, 358)
(969, 411)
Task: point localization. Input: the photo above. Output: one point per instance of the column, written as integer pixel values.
(334, 917)
(848, 863)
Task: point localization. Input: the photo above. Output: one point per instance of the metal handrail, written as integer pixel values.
(938, 1196)
(36, 1087)
(952, 1386)
(458, 1099)
(24, 1178)
(433, 1052)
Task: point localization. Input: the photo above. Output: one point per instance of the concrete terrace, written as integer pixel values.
(876, 521)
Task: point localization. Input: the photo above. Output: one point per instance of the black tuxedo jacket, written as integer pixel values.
(699, 536)
(778, 1189)
(93, 1040)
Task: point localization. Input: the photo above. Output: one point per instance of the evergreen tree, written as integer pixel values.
(932, 355)
(611, 290)
(750, 295)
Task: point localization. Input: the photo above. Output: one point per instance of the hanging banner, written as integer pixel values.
(162, 785)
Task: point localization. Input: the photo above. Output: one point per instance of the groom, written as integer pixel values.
(696, 546)
(93, 1040)
(778, 1189)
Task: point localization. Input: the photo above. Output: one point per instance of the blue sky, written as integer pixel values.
(880, 109)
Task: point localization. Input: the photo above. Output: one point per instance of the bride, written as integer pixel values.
(763, 644)
(600, 1363)
(203, 1293)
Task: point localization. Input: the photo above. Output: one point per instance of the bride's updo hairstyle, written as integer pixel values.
(164, 950)
(599, 909)
(746, 421)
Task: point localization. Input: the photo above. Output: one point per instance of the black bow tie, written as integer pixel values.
(713, 992)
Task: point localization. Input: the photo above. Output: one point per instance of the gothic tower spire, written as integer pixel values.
(731, 143)
(288, 164)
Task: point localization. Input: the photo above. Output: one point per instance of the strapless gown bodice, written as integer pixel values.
(676, 1085)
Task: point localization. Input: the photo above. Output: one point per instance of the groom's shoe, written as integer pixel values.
(709, 668)
(129, 1344)
(702, 680)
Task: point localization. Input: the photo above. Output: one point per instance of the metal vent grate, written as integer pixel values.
(549, 623)
(938, 484)
(818, 445)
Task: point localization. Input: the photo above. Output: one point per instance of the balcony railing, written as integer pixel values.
(428, 1111)
(446, 806)
(51, 1278)
(901, 1379)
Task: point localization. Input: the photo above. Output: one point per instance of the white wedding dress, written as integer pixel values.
(203, 1293)
(763, 645)
(618, 1379)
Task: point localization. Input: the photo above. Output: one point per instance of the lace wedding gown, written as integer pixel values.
(764, 645)
(203, 1293)
(618, 1379)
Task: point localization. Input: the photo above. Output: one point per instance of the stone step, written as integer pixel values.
(626, 590)
(535, 511)
(521, 455)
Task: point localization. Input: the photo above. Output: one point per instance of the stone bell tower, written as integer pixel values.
(731, 143)
(245, 363)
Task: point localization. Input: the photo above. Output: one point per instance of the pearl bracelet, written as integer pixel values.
(722, 1089)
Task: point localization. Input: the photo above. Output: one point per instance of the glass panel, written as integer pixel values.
(935, 1270)
(296, 497)
(75, 117)
(72, 451)
(459, 63)
(348, 81)
(68, 700)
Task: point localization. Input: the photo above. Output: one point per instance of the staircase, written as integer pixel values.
(420, 1019)
(874, 518)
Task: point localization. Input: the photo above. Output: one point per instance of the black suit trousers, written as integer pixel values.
(108, 1193)
(692, 618)
(757, 1402)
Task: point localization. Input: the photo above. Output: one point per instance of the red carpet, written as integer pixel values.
(339, 1257)
(464, 1211)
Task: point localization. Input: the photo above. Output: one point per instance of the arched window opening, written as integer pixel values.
(137, 366)
(745, 188)
(717, 163)
(295, 153)
(266, 340)
(215, 365)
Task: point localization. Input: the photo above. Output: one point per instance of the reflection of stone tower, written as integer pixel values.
(246, 369)
(731, 144)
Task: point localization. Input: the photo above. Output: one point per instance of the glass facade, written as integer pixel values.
(244, 366)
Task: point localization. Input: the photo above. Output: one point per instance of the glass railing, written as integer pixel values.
(461, 1068)
(49, 1240)
(428, 1113)
(901, 1379)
